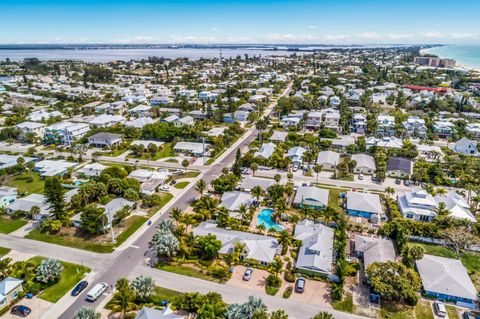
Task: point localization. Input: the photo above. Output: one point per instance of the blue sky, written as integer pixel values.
(248, 21)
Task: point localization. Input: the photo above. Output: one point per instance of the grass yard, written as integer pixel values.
(8, 225)
(181, 185)
(165, 198)
(345, 305)
(186, 271)
(389, 311)
(452, 312)
(131, 225)
(423, 310)
(437, 250)
(22, 183)
(71, 275)
(166, 151)
(333, 198)
(4, 251)
(189, 174)
(164, 294)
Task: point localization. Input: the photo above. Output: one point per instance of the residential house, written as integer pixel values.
(316, 253)
(107, 120)
(32, 127)
(233, 200)
(279, 136)
(140, 122)
(240, 116)
(12, 160)
(10, 288)
(446, 279)
(48, 168)
(184, 121)
(399, 167)
(140, 110)
(365, 164)
(421, 206)
(328, 160)
(385, 142)
(385, 125)
(374, 249)
(92, 170)
(257, 248)
(192, 148)
(104, 139)
(166, 111)
(466, 146)
(443, 128)
(25, 205)
(42, 115)
(473, 129)
(165, 313)
(287, 122)
(160, 99)
(170, 119)
(335, 101)
(65, 132)
(365, 205)
(7, 195)
(265, 151)
(331, 119)
(359, 123)
(311, 197)
(314, 120)
(415, 127)
(296, 155)
(249, 182)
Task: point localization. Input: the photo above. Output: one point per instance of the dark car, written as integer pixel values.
(173, 182)
(470, 315)
(79, 288)
(248, 274)
(406, 182)
(21, 311)
(300, 285)
(398, 181)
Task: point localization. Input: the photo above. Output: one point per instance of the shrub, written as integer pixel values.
(219, 272)
(49, 270)
(274, 281)
(272, 291)
(289, 276)
(288, 292)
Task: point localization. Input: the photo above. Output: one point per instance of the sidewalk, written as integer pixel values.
(23, 231)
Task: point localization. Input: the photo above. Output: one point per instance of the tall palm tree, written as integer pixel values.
(257, 192)
(254, 168)
(390, 190)
(201, 186)
(284, 238)
(176, 214)
(317, 169)
(124, 299)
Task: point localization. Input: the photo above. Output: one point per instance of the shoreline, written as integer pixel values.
(458, 65)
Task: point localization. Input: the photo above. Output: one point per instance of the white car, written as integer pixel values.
(360, 177)
(165, 188)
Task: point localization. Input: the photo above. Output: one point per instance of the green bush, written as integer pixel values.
(271, 291)
(274, 281)
(289, 276)
(288, 292)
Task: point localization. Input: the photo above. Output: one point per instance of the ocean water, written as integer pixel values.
(107, 55)
(468, 55)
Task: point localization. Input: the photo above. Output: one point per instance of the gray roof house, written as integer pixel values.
(399, 167)
(316, 253)
(266, 150)
(364, 205)
(465, 146)
(279, 136)
(374, 249)
(257, 247)
(365, 164)
(26, 203)
(233, 200)
(296, 154)
(311, 197)
(152, 313)
(250, 182)
(328, 160)
(446, 279)
(103, 139)
(194, 148)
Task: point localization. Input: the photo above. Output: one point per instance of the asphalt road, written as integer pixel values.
(124, 262)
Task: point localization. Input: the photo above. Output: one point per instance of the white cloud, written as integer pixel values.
(192, 39)
(370, 35)
(335, 37)
(394, 36)
(312, 27)
(462, 35)
(215, 29)
(433, 34)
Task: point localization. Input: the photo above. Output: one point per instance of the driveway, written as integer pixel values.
(39, 308)
(315, 293)
(257, 283)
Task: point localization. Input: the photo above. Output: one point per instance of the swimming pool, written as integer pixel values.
(265, 219)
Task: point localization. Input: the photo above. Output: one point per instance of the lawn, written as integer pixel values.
(164, 294)
(345, 305)
(22, 183)
(190, 174)
(423, 310)
(389, 311)
(4, 251)
(452, 312)
(71, 275)
(333, 199)
(8, 225)
(181, 185)
(131, 225)
(186, 271)
(165, 198)
(166, 151)
(437, 250)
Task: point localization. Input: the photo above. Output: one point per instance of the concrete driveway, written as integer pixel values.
(39, 308)
(257, 283)
(315, 293)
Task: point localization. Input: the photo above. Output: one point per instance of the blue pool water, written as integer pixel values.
(265, 218)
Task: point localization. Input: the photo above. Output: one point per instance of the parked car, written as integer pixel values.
(247, 275)
(360, 177)
(398, 181)
(245, 170)
(165, 188)
(406, 182)
(440, 309)
(469, 315)
(300, 285)
(97, 291)
(79, 288)
(173, 182)
(375, 178)
(21, 311)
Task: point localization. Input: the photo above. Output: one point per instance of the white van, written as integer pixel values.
(440, 309)
(97, 291)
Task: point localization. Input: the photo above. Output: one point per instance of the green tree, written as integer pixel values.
(87, 313)
(54, 192)
(93, 219)
(412, 253)
(323, 315)
(317, 169)
(185, 164)
(254, 168)
(123, 301)
(144, 286)
(207, 246)
(49, 270)
(201, 187)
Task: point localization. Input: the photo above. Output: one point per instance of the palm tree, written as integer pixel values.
(317, 169)
(323, 315)
(176, 214)
(254, 167)
(185, 164)
(390, 190)
(284, 238)
(289, 176)
(277, 178)
(257, 192)
(201, 186)
(124, 299)
(440, 191)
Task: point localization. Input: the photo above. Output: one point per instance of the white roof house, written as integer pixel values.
(152, 313)
(107, 120)
(365, 163)
(197, 149)
(26, 203)
(250, 182)
(279, 136)
(42, 115)
(257, 247)
(92, 170)
(296, 154)
(53, 168)
(266, 150)
(316, 252)
(465, 146)
(233, 200)
(11, 160)
(328, 159)
(311, 196)
(446, 277)
(140, 122)
(374, 249)
(420, 205)
(364, 202)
